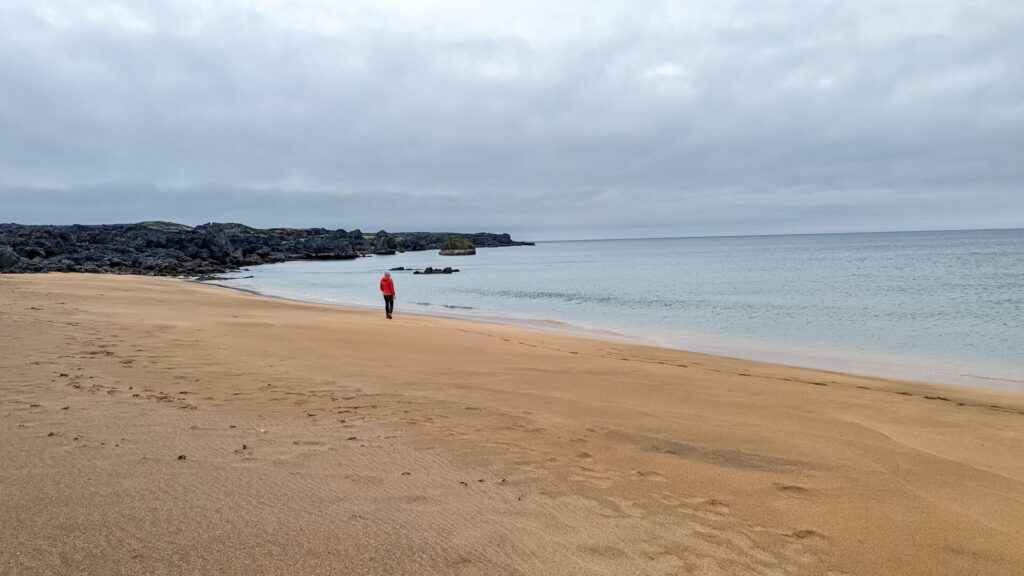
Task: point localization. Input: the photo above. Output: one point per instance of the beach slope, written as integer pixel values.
(157, 426)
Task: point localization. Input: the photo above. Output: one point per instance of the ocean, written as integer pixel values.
(943, 307)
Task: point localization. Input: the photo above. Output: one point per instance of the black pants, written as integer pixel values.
(389, 304)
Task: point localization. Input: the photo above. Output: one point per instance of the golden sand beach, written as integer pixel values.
(157, 426)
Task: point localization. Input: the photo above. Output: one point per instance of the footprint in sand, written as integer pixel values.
(805, 534)
(792, 489)
(716, 503)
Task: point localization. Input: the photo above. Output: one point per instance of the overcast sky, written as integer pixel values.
(584, 119)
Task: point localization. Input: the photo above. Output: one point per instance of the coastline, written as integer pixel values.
(549, 326)
(435, 445)
(896, 368)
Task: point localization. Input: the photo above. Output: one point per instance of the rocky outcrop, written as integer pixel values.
(456, 245)
(435, 240)
(8, 257)
(169, 249)
(384, 244)
(431, 270)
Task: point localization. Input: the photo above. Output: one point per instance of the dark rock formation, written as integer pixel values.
(8, 257)
(432, 270)
(435, 240)
(169, 249)
(383, 243)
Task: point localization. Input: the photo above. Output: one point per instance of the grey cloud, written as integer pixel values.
(658, 119)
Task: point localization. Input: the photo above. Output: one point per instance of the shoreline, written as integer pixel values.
(847, 362)
(549, 326)
(156, 422)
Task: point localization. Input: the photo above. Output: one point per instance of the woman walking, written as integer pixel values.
(387, 287)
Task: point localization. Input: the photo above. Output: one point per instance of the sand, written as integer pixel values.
(157, 426)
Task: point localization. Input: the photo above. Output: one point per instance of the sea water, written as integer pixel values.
(945, 307)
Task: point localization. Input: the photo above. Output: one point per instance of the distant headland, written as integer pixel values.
(170, 249)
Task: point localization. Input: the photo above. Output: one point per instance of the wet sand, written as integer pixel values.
(155, 426)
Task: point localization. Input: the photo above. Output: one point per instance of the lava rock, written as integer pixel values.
(170, 249)
(432, 270)
(8, 257)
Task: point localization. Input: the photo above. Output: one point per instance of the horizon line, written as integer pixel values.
(923, 230)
